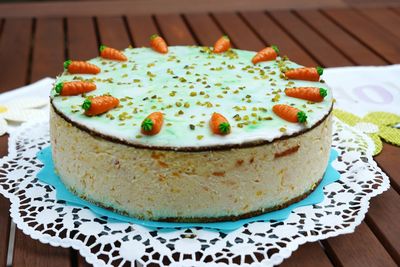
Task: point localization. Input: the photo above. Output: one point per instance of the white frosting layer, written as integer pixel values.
(188, 84)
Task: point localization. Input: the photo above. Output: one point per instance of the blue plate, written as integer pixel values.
(48, 176)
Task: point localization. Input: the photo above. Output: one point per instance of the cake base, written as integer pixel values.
(201, 186)
(216, 219)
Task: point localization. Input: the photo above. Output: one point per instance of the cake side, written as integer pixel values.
(189, 186)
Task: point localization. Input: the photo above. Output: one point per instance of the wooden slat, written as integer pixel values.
(82, 42)
(48, 53)
(347, 251)
(4, 218)
(33, 253)
(82, 262)
(205, 29)
(384, 17)
(141, 28)
(272, 33)
(48, 56)
(340, 39)
(372, 35)
(174, 29)
(324, 52)
(14, 52)
(308, 255)
(113, 32)
(241, 35)
(383, 218)
(389, 161)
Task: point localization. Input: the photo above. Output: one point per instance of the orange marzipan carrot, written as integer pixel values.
(313, 94)
(112, 53)
(266, 54)
(99, 104)
(289, 113)
(74, 88)
(223, 44)
(158, 44)
(219, 124)
(81, 67)
(152, 124)
(307, 74)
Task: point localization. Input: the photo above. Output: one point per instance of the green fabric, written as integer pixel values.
(377, 125)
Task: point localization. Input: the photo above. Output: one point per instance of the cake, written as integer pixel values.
(190, 134)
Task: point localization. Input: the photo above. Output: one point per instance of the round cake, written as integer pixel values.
(188, 134)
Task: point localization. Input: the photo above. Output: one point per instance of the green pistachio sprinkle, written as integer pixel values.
(192, 127)
(86, 104)
(147, 125)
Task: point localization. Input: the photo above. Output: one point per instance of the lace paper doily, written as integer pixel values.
(104, 242)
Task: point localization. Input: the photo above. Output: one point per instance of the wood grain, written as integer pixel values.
(174, 30)
(271, 33)
(241, 35)
(48, 48)
(326, 54)
(384, 17)
(141, 28)
(81, 39)
(48, 56)
(118, 7)
(308, 255)
(342, 41)
(14, 52)
(362, 249)
(383, 218)
(205, 29)
(372, 35)
(113, 33)
(389, 161)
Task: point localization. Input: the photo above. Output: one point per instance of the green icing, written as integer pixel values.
(188, 84)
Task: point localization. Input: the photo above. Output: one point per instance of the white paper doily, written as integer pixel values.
(103, 242)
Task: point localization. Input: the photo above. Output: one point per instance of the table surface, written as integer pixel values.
(35, 47)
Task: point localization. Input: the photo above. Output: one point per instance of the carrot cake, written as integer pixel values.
(189, 133)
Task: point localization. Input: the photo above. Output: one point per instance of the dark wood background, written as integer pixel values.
(35, 40)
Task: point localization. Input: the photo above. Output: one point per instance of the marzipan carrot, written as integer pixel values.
(223, 44)
(99, 104)
(158, 44)
(307, 74)
(266, 54)
(111, 53)
(219, 124)
(80, 67)
(152, 124)
(74, 88)
(289, 113)
(313, 94)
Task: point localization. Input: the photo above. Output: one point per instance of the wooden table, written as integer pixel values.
(32, 48)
